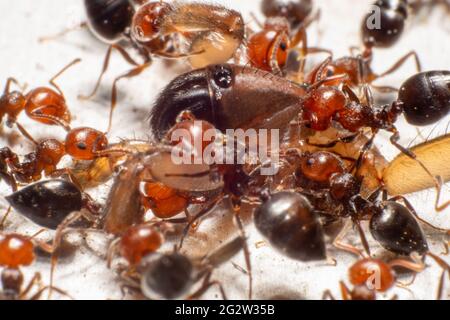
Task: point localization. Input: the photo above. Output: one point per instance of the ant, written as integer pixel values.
(174, 275)
(269, 48)
(80, 143)
(18, 251)
(393, 225)
(422, 99)
(41, 104)
(370, 275)
(393, 15)
(211, 33)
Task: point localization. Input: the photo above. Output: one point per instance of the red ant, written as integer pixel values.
(41, 104)
(18, 251)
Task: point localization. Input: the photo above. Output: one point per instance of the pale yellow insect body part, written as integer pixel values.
(403, 175)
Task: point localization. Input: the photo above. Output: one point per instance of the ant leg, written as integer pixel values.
(327, 295)
(384, 89)
(333, 143)
(362, 236)
(444, 265)
(125, 56)
(345, 291)
(414, 266)
(273, 61)
(112, 250)
(351, 94)
(256, 20)
(246, 252)
(8, 85)
(301, 36)
(35, 280)
(62, 33)
(130, 74)
(52, 80)
(199, 215)
(357, 165)
(400, 62)
(5, 217)
(38, 294)
(414, 212)
(337, 242)
(440, 290)
(59, 234)
(60, 122)
(25, 133)
(207, 283)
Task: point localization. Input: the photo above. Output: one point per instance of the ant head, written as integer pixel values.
(12, 103)
(372, 273)
(147, 20)
(320, 166)
(85, 143)
(16, 250)
(139, 241)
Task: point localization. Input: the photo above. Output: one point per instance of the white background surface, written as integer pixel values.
(84, 275)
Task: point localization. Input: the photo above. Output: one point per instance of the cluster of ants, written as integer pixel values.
(330, 172)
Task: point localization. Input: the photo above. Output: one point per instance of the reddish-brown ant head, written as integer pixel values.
(15, 251)
(85, 143)
(138, 241)
(164, 202)
(44, 104)
(49, 153)
(270, 44)
(12, 104)
(320, 166)
(147, 19)
(372, 272)
(320, 106)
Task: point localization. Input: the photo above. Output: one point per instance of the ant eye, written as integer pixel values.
(283, 46)
(223, 77)
(81, 146)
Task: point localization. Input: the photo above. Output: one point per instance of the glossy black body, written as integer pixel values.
(396, 229)
(288, 221)
(295, 11)
(47, 203)
(109, 19)
(426, 97)
(229, 97)
(167, 277)
(392, 18)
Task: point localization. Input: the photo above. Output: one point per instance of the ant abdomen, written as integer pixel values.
(47, 203)
(288, 221)
(425, 97)
(109, 19)
(391, 16)
(395, 228)
(294, 11)
(168, 277)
